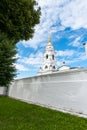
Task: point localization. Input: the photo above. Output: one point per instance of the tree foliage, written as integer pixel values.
(17, 21)
(18, 18)
(7, 60)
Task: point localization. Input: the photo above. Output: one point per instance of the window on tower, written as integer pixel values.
(53, 67)
(46, 67)
(53, 57)
(46, 56)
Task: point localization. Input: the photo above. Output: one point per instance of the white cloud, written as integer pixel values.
(17, 56)
(82, 56)
(77, 58)
(65, 53)
(68, 13)
(21, 67)
(74, 14)
(76, 42)
(49, 17)
(33, 59)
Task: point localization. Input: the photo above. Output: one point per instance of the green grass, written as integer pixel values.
(17, 115)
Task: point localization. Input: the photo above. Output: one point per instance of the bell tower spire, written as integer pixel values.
(49, 36)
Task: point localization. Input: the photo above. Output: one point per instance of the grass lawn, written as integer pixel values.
(17, 115)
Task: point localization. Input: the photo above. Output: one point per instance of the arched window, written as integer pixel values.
(46, 67)
(53, 57)
(46, 56)
(53, 67)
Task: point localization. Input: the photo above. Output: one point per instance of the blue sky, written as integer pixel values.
(67, 22)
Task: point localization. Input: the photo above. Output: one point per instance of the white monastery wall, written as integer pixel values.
(61, 90)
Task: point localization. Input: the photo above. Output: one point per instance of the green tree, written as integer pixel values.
(18, 18)
(17, 21)
(7, 60)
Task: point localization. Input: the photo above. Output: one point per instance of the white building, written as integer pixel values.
(64, 67)
(49, 60)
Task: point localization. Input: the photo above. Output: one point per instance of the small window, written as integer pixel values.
(53, 57)
(46, 56)
(53, 67)
(46, 67)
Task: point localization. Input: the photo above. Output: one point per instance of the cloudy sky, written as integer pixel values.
(67, 22)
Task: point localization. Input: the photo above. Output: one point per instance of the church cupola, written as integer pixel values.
(49, 59)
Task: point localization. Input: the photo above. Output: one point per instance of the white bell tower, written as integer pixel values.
(49, 59)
